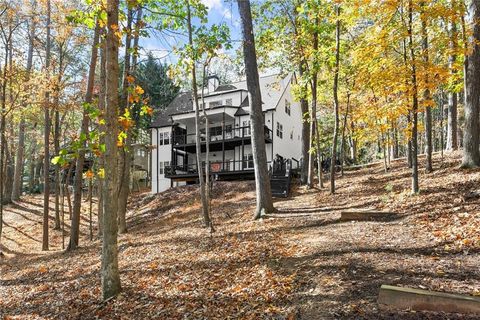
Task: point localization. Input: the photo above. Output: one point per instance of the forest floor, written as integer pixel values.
(300, 263)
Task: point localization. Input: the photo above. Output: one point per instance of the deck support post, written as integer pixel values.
(243, 146)
(223, 140)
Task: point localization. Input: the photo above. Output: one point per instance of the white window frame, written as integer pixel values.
(248, 161)
(279, 130)
(161, 167)
(247, 131)
(160, 139)
(288, 107)
(166, 138)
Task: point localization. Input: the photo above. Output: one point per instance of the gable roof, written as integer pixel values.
(272, 88)
(181, 103)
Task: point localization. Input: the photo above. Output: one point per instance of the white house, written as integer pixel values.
(227, 107)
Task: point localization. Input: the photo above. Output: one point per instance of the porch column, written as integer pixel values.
(223, 140)
(173, 159)
(243, 145)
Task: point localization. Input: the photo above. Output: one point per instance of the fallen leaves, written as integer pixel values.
(171, 267)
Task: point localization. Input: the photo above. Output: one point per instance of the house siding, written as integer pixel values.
(289, 146)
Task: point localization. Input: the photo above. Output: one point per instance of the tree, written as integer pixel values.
(471, 154)
(125, 152)
(262, 182)
(415, 187)
(426, 93)
(452, 125)
(152, 76)
(47, 127)
(78, 178)
(333, 164)
(110, 275)
(19, 158)
(284, 41)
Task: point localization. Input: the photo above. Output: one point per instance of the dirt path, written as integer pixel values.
(341, 265)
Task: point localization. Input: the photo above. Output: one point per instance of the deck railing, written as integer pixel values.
(219, 135)
(215, 167)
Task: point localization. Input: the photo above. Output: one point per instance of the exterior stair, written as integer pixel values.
(280, 178)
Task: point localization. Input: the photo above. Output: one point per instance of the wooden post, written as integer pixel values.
(223, 140)
(243, 146)
(391, 297)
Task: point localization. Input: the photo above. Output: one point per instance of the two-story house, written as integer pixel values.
(227, 108)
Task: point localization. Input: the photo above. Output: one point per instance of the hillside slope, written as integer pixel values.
(302, 262)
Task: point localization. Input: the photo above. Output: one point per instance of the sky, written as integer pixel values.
(219, 11)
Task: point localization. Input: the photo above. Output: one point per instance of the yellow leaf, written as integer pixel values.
(130, 79)
(139, 90)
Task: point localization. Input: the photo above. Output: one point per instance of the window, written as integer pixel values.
(215, 103)
(246, 128)
(248, 161)
(291, 135)
(160, 139)
(162, 165)
(279, 130)
(228, 102)
(287, 107)
(166, 138)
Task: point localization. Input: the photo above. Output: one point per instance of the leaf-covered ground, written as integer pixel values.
(301, 263)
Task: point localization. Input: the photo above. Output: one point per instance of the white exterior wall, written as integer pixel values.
(162, 153)
(288, 147)
(237, 97)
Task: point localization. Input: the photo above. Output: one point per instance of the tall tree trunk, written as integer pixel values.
(19, 158)
(207, 148)
(262, 181)
(136, 39)
(318, 153)
(19, 162)
(125, 152)
(305, 133)
(2, 130)
(56, 137)
(344, 126)
(110, 274)
(353, 143)
(56, 145)
(452, 126)
(9, 171)
(101, 107)
(414, 152)
(409, 115)
(426, 95)
(335, 103)
(46, 160)
(9, 146)
(442, 117)
(396, 146)
(471, 154)
(78, 178)
(38, 172)
(32, 161)
(201, 179)
(313, 119)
